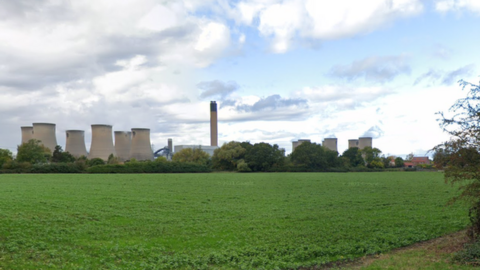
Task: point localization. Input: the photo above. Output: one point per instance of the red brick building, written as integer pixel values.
(421, 160)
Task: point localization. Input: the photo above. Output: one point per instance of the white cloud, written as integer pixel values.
(284, 21)
(448, 5)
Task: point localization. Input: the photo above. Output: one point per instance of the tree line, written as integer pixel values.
(231, 156)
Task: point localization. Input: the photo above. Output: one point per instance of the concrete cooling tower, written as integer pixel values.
(295, 144)
(102, 142)
(330, 143)
(213, 124)
(123, 141)
(27, 134)
(352, 143)
(75, 143)
(141, 148)
(364, 142)
(45, 132)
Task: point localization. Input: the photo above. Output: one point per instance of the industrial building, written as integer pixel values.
(208, 149)
(45, 133)
(123, 141)
(75, 143)
(102, 142)
(361, 143)
(27, 134)
(141, 148)
(295, 144)
(330, 143)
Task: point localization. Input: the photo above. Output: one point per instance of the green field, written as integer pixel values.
(217, 220)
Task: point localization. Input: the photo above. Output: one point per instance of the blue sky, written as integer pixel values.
(281, 70)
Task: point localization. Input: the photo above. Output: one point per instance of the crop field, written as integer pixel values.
(217, 220)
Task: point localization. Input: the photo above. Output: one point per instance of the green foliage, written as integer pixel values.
(376, 163)
(95, 162)
(161, 159)
(263, 156)
(5, 156)
(218, 220)
(150, 167)
(370, 154)
(399, 163)
(112, 160)
(195, 155)
(59, 156)
(227, 157)
(354, 157)
(310, 155)
(470, 254)
(243, 167)
(33, 152)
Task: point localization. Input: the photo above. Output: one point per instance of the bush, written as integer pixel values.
(95, 162)
(56, 168)
(150, 167)
(243, 167)
(469, 255)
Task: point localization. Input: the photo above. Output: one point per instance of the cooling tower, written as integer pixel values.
(141, 148)
(170, 145)
(330, 143)
(75, 143)
(102, 142)
(27, 134)
(364, 142)
(213, 124)
(352, 143)
(45, 132)
(123, 141)
(295, 144)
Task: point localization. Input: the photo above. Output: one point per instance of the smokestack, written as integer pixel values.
(123, 142)
(213, 124)
(45, 132)
(170, 145)
(102, 142)
(141, 148)
(75, 143)
(27, 134)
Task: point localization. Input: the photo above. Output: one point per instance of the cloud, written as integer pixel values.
(376, 69)
(340, 97)
(273, 102)
(442, 52)
(217, 89)
(445, 77)
(457, 5)
(287, 22)
(375, 132)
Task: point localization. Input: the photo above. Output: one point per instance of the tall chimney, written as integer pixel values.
(213, 124)
(170, 145)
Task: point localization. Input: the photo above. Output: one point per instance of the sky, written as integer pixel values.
(280, 70)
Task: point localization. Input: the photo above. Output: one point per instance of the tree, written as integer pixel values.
(354, 156)
(5, 156)
(228, 156)
(399, 162)
(263, 156)
(193, 155)
(60, 156)
(460, 156)
(33, 152)
(310, 155)
(370, 154)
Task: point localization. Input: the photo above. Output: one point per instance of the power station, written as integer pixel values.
(102, 142)
(27, 134)
(136, 143)
(45, 133)
(141, 148)
(75, 143)
(123, 142)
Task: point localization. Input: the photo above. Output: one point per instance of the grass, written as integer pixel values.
(217, 221)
